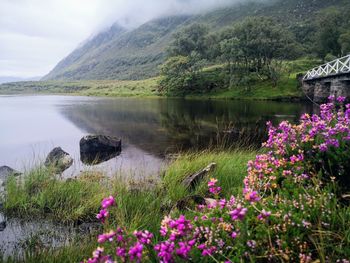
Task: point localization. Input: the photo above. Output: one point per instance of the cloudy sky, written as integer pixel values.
(36, 34)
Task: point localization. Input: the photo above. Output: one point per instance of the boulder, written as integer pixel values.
(58, 160)
(95, 149)
(191, 181)
(2, 225)
(6, 171)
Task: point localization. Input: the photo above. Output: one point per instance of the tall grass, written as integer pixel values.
(230, 171)
(40, 193)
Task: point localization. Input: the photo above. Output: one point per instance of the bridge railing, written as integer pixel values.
(337, 66)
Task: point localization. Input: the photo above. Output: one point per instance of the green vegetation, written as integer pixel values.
(120, 88)
(40, 193)
(257, 56)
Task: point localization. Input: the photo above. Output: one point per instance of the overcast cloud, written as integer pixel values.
(36, 34)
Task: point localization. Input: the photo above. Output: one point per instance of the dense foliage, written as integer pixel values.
(253, 49)
(289, 210)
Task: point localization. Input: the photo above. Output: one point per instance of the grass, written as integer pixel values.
(286, 88)
(230, 170)
(120, 88)
(40, 194)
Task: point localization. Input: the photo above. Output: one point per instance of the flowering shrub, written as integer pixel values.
(287, 212)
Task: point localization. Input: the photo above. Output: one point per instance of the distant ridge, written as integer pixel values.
(119, 53)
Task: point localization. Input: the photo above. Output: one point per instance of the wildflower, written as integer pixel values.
(104, 237)
(263, 215)
(252, 197)
(184, 249)
(107, 202)
(238, 213)
(120, 252)
(144, 237)
(102, 215)
(251, 244)
(165, 250)
(234, 234)
(135, 252)
(212, 186)
(341, 99)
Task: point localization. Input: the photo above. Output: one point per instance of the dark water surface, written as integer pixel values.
(30, 126)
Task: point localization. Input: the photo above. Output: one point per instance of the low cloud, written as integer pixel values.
(36, 34)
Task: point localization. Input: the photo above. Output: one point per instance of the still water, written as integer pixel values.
(150, 129)
(31, 126)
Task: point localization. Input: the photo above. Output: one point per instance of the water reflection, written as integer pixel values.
(159, 126)
(31, 126)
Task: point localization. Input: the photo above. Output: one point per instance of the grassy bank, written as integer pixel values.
(213, 84)
(40, 194)
(119, 88)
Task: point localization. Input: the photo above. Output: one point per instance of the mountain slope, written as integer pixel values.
(136, 54)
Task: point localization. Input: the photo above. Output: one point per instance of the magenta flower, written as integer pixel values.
(120, 252)
(102, 215)
(238, 213)
(106, 237)
(107, 202)
(144, 237)
(341, 99)
(252, 197)
(165, 250)
(135, 252)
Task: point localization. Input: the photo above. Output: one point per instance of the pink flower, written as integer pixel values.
(144, 237)
(102, 215)
(238, 213)
(107, 202)
(135, 252)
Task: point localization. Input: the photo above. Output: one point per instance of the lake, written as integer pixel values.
(150, 129)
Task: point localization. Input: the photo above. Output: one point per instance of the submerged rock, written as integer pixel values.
(59, 160)
(95, 149)
(6, 171)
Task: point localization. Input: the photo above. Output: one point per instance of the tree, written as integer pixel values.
(190, 39)
(328, 33)
(255, 45)
(180, 73)
(344, 42)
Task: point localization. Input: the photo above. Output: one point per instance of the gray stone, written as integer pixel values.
(6, 171)
(95, 149)
(2, 225)
(58, 160)
(192, 180)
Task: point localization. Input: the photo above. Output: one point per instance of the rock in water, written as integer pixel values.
(6, 171)
(95, 149)
(2, 225)
(59, 160)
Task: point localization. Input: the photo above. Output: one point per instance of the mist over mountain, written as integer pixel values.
(124, 52)
(6, 79)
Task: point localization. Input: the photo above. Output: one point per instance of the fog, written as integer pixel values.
(36, 34)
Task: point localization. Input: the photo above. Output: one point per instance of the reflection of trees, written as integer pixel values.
(160, 125)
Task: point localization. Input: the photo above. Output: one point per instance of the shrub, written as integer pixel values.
(287, 212)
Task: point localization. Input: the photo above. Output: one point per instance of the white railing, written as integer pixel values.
(337, 66)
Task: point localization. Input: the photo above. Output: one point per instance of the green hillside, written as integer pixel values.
(124, 54)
